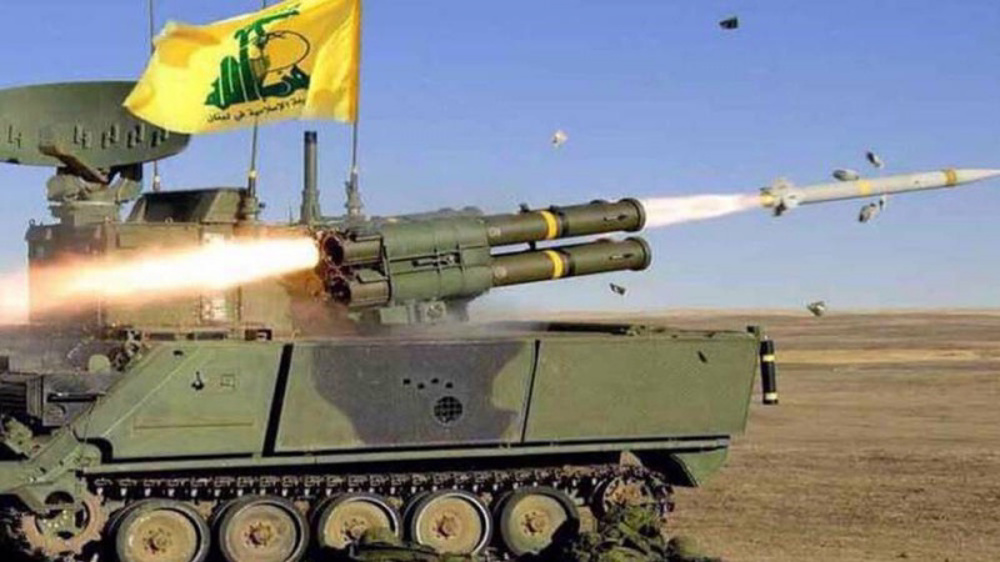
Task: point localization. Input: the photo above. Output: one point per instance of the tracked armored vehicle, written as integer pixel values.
(270, 420)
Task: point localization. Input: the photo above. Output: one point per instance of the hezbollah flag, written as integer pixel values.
(299, 58)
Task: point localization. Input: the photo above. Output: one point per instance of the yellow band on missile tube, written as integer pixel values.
(767, 200)
(769, 358)
(864, 188)
(551, 225)
(558, 267)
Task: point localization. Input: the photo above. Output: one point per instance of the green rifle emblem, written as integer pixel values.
(254, 74)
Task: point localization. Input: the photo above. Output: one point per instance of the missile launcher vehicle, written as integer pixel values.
(287, 416)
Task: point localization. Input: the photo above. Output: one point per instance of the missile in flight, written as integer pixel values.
(782, 196)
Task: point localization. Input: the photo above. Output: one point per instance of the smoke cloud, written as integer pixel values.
(153, 275)
(666, 211)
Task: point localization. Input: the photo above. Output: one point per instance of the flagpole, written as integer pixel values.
(354, 205)
(254, 141)
(152, 50)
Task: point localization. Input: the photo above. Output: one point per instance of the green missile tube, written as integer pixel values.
(597, 217)
(354, 249)
(370, 288)
(571, 261)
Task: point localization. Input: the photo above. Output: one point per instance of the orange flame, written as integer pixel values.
(154, 275)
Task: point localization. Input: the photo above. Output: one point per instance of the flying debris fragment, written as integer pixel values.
(730, 23)
(844, 174)
(559, 138)
(868, 212)
(875, 160)
(617, 289)
(871, 210)
(817, 308)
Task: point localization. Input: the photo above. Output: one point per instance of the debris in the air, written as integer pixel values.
(846, 175)
(730, 23)
(875, 159)
(871, 210)
(817, 308)
(617, 289)
(868, 212)
(559, 138)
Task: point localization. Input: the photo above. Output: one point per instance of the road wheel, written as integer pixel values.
(531, 518)
(344, 519)
(262, 529)
(451, 521)
(161, 531)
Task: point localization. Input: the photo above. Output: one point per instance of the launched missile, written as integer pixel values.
(783, 196)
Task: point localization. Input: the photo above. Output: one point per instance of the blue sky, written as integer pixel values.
(460, 99)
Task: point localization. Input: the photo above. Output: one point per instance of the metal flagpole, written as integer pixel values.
(355, 207)
(152, 49)
(252, 174)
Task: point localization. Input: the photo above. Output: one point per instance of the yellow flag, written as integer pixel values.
(296, 59)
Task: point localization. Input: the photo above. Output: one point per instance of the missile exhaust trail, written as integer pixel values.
(667, 211)
(153, 275)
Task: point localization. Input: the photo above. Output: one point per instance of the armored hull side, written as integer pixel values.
(591, 414)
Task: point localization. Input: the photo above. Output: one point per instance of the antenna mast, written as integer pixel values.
(355, 207)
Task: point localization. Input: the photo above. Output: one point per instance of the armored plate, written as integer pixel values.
(84, 121)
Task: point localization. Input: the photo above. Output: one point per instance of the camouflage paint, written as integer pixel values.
(384, 394)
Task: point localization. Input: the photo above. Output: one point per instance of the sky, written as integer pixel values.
(460, 99)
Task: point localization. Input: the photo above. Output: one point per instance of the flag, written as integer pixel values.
(296, 59)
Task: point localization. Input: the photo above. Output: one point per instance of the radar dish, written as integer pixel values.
(46, 125)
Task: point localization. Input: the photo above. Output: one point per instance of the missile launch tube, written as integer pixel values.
(339, 250)
(369, 288)
(597, 217)
(571, 261)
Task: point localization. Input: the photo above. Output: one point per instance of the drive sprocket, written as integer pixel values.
(64, 532)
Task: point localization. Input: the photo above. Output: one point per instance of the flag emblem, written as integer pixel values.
(297, 59)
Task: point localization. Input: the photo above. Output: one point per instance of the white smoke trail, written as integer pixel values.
(666, 211)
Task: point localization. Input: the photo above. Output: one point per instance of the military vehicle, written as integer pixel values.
(273, 419)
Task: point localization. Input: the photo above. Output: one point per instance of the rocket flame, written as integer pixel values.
(155, 274)
(14, 298)
(666, 211)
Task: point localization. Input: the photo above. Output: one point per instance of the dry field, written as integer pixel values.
(886, 445)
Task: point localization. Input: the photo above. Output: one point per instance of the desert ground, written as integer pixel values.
(886, 444)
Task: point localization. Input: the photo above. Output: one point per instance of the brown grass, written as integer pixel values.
(886, 445)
